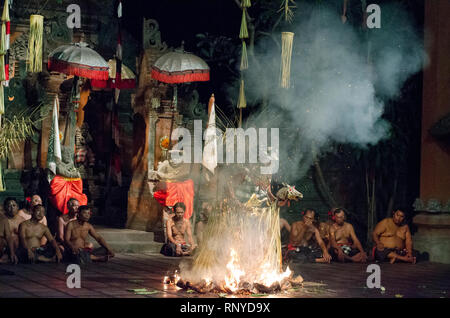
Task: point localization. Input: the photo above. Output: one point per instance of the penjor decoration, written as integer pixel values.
(35, 43)
(243, 34)
(287, 39)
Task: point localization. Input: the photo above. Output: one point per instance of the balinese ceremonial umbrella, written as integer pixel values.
(79, 60)
(127, 80)
(179, 67)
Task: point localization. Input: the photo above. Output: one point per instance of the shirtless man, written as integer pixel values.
(11, 209)
(26, 213)
(75, 237)
(31, 233)
(393, 239)
(6, 242)
(345, 246)
(177, 229)
(63, 220)
(305, 241)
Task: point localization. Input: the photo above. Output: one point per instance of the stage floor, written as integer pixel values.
(139, 271)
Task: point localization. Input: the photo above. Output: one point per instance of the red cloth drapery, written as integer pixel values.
(62, 189)
(177, 192)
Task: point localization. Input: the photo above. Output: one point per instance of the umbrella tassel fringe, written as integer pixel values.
(77, 70)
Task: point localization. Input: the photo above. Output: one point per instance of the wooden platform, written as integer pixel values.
(133, 271)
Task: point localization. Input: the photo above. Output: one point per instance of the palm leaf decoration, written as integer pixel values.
(287, 7)
(15, 129)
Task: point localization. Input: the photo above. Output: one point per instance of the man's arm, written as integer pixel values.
(68, 237)
(380, 228)
(169, 231)
(333, 238)
(285, 224)
(100, 239)
(322, 245)
(189, 234)
(9, 241)
(355, 239)
(52, 241)
(61, 229)
(408, 241)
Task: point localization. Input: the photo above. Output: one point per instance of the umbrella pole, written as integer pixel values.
(174, 107)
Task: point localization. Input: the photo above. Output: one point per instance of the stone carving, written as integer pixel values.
(419, 205)
(196, 108)
(434, 205)
(84, 156)
(446, 208)
(66, 167)
(152, 36)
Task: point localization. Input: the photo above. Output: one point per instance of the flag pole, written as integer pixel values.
(197, 196)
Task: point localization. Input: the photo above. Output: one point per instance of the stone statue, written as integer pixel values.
(66, 167)
(84, 156)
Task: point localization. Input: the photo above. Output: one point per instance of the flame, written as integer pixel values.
(270, 275)
(267, 277)
(233, 278)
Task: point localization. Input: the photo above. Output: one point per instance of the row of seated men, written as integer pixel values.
(321, 242)
(25, 237)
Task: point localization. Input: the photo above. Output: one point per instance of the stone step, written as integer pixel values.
(127, 240)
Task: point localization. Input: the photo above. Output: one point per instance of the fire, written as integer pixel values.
(233, 278)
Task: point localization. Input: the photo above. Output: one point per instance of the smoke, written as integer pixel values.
(341, 77)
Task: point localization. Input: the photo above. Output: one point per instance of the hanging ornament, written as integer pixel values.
(243, 34)
(242, 103)
(35, 43)
(287, 39)
(244, 58)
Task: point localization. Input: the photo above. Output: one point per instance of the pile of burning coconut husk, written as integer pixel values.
(243, 288)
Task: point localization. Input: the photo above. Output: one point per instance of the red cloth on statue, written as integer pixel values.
(161, 197)
(178, 192)
(62, 189)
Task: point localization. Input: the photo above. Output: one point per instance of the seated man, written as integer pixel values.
(203, 220)
(6, 242)
(177, 228)
(75, 237)
(26, 212)
(345, 246)
(11, 209)
(64, 219)
(305, 243)
(393, 239)
(324, 231)
(31, 233)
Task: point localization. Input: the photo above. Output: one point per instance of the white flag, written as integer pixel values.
(210, 149)
(56, 147)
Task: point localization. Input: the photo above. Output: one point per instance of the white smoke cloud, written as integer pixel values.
(339, 81)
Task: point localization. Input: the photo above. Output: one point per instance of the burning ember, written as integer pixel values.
(237, 281)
